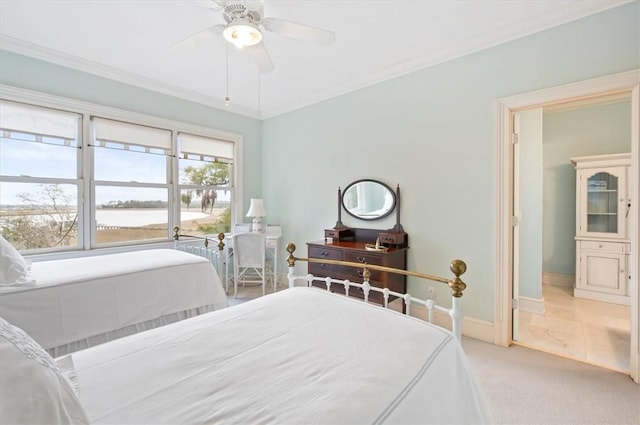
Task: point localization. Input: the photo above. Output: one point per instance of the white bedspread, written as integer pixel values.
(75, 299)
(300, 356)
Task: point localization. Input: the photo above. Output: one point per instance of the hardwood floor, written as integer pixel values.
(594, 332)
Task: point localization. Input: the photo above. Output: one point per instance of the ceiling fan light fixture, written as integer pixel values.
(241, 33)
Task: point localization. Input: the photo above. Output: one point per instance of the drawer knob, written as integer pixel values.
(324, 254)
(360, 273)
(324, 265)
(361, 259)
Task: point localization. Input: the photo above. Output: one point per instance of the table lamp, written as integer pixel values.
(257, 211)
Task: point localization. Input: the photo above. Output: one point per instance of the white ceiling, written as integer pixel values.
(132, 41)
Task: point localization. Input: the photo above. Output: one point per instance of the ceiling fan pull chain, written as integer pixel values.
(227, 100)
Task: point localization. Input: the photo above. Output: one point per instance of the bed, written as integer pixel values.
(303, 355)
(75, 303)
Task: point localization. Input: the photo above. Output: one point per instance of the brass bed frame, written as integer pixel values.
(455, 284)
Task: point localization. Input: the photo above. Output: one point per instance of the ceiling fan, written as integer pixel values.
(245, 24)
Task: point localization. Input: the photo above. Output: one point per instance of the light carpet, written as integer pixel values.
(525, 386)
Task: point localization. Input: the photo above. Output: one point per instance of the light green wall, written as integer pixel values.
(20, 71)
(588, 131)
(434, 133)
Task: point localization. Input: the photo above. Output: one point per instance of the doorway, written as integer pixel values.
(549, 316)
(620, 83)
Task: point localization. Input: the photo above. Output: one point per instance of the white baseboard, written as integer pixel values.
(602, 296)
(558, 279)
(473, 328)
(531, 305)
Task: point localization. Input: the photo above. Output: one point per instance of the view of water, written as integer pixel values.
(135, 218)
(129, 217)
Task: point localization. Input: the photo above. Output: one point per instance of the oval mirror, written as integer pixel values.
(368, 199)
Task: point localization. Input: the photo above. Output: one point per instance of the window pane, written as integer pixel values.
(39, 215)
(24, 158)
(205, 211)
(131, 213)
(129, 166)
(203, 173)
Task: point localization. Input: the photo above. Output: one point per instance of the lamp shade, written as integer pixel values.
(256, 209)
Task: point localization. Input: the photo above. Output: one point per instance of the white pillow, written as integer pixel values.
(14, 270)
(33, 389)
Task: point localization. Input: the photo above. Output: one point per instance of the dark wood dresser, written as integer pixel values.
(350, 246)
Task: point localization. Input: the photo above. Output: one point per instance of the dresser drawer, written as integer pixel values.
(324, 269)
(325, 253)
(603, 246)
(363, 257)
(376, 275)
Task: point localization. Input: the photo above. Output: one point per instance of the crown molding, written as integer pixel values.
(477, 44)
(56, 57)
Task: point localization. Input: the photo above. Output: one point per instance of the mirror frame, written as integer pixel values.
(385, 186)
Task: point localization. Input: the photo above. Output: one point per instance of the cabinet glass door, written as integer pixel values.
(602, 203)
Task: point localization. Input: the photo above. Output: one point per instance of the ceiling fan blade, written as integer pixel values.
(261, 57)
(212, 4)
(200, 37)
(299, 31)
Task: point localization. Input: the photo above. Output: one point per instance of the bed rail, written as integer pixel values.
(456, 285)
(192, 245)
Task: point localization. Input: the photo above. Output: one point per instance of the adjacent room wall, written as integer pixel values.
(595, 130)
(434, 133)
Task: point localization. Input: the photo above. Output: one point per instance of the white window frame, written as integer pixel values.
(230, 186)
(87, 110)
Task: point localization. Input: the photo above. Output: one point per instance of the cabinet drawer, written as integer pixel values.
(329, 254)
(603, 246)
(363, 257)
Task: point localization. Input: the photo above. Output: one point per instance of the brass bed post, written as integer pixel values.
(291, 260)
(176, 236)
(457, 267)
(221, 256)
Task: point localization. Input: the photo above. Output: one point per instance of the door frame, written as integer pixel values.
(617, 83)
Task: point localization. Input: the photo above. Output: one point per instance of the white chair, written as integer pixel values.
(249, 259)
(237, 228)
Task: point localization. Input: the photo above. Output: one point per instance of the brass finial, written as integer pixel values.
(176, 233)
(457, 267)
(221, 241)
(291, 247)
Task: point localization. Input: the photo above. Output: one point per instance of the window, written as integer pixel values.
(205, 166)
(131, 181)
(40, 181)
(85, 176)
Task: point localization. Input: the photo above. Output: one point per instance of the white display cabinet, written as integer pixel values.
(602, 237)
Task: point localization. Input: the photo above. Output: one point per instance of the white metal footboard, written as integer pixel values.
(199, 245)
(457, 286)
